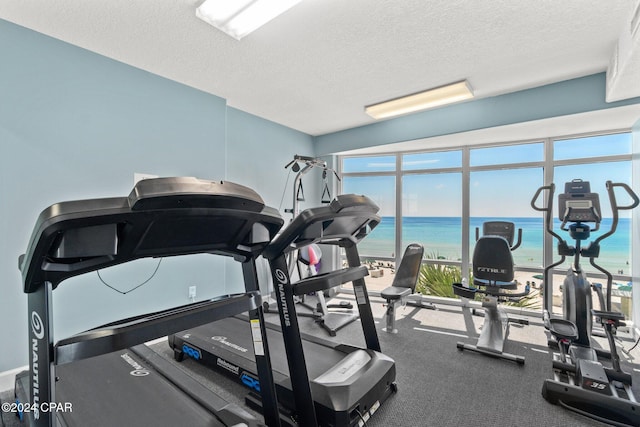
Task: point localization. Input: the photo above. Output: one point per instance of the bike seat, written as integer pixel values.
(563, 329)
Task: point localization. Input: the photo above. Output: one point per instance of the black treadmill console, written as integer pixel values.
(189, 192)
(160, 217)
(346, 220)
(578, 203)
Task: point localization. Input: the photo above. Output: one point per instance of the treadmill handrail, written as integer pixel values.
(331, 279)
(140, 329)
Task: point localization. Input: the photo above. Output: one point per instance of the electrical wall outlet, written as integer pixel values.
(192, 293)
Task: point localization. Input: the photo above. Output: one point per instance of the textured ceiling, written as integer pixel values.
(316, 67)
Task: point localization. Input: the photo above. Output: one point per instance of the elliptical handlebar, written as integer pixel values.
(548, 210)
(548, 219)
(614, 204)
(615, 208)
(629, 191)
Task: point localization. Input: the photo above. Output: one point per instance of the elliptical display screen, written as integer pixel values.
(578, 203)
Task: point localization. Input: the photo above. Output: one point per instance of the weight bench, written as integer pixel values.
(404, 283)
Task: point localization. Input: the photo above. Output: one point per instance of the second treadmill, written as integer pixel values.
(321, 382)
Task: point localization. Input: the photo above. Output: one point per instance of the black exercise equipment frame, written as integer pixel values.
(403, 285)
(160, 218)
(582, 384)
(347, 221)
(330, 321)
(493, 277)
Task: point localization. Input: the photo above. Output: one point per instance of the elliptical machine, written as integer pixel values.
(581, 383)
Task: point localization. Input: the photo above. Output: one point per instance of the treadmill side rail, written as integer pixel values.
(128, 333)
(329, 280)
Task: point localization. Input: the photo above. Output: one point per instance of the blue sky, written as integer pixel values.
(505, 192)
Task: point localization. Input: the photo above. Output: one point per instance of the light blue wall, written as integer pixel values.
(261, 167)
(76, 125)
(250, 166)
(568, 97)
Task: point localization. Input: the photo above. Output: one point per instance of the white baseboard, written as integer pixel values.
(8, 378)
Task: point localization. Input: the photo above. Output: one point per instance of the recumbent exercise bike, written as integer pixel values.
(493, 277)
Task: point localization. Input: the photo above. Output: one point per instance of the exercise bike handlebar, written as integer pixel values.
(514, 247)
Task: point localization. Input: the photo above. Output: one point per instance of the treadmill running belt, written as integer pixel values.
(127, 391)
(230, 338)
(344, 380)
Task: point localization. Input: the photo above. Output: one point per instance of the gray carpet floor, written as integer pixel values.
(438, 385)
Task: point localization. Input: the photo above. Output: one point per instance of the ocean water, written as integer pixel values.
(442, 236)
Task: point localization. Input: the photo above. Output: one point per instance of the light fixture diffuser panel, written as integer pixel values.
(238, 18)
(431, 98)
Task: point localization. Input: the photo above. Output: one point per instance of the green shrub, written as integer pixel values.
(436, 280)
(532, 301)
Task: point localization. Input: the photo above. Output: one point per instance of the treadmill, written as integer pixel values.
(106, 376)
(320, 382)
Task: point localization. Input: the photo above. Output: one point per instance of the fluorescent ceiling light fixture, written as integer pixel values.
(421, 101)
(238, 18)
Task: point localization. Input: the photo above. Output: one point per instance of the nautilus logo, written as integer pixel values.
(38, 332)
(36, 325)
(139, 371)
(281, 276)
(284, 310)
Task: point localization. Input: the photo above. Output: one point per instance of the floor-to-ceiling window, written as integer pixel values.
(375, 177)
(432, 202)
(439, 197)
(502, 181)
(598, 159)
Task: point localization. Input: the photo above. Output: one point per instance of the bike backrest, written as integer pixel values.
(492, 260)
